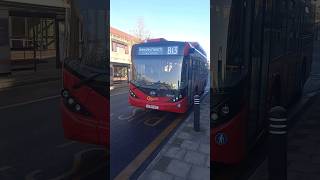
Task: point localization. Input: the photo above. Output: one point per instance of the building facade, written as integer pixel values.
(31, 32)
(120, 55)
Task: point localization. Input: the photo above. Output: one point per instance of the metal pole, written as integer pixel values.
(196, 117)
(34, 49)
(277, 143)
(57, 39)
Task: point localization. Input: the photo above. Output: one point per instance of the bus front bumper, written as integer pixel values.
(178, 107)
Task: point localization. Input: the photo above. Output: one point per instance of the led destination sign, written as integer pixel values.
(170, 50)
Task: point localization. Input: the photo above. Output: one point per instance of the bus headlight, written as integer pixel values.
(72, 104)
(176, 98)
(80, 109)
(65, 93)
(70, 101)
(214, 116)
(225, 109)
(77, 107)
(132, 94)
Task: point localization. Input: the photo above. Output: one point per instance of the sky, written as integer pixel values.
(174, 20)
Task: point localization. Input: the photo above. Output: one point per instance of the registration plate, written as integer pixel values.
(152, 106)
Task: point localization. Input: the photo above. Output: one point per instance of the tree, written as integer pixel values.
(140, 30)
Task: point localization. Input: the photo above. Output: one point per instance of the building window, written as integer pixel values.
(116, 45)
(120, 73)
(23, 29)
(18, 27)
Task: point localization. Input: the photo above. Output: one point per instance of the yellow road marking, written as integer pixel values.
(137, 162)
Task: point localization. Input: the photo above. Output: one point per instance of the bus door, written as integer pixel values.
(194, 76)
(190, 79)
(260, 43)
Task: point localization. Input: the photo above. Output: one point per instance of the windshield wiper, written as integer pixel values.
(87, 80)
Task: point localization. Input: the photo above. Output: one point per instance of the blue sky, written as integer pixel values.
(178, 20)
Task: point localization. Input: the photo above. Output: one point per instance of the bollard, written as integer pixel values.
(196, 109)
(277, 143)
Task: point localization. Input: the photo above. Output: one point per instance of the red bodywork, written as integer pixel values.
(234, 150)
(89, 129)
(162, 102)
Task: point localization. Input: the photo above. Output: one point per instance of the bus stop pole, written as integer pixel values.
(34, 51)
(277, 154)
(196, 118)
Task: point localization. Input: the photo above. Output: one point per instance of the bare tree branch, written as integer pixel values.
(140, 30)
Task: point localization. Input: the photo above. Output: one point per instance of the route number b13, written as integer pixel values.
(173, 50)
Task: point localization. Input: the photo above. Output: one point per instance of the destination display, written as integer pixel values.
(169, 50)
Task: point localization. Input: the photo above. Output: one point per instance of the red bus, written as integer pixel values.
(167, 74)
(261, 57)
(85, 95)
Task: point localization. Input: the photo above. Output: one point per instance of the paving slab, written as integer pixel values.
(186, 155)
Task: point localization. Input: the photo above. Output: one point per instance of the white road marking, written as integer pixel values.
(128, 117)
(4, 168)
(28, 85)
(65, 144)
(76, 164)
(31, 176)
(29, 102)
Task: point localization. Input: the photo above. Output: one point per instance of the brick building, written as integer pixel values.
(120, 55)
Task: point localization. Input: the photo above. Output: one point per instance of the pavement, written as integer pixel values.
(46, 71)
(187, 153)
(313, 82)
(303, 150)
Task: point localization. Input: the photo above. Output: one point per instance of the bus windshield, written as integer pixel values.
(229, 66)
(86, 39)
(161, 72)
